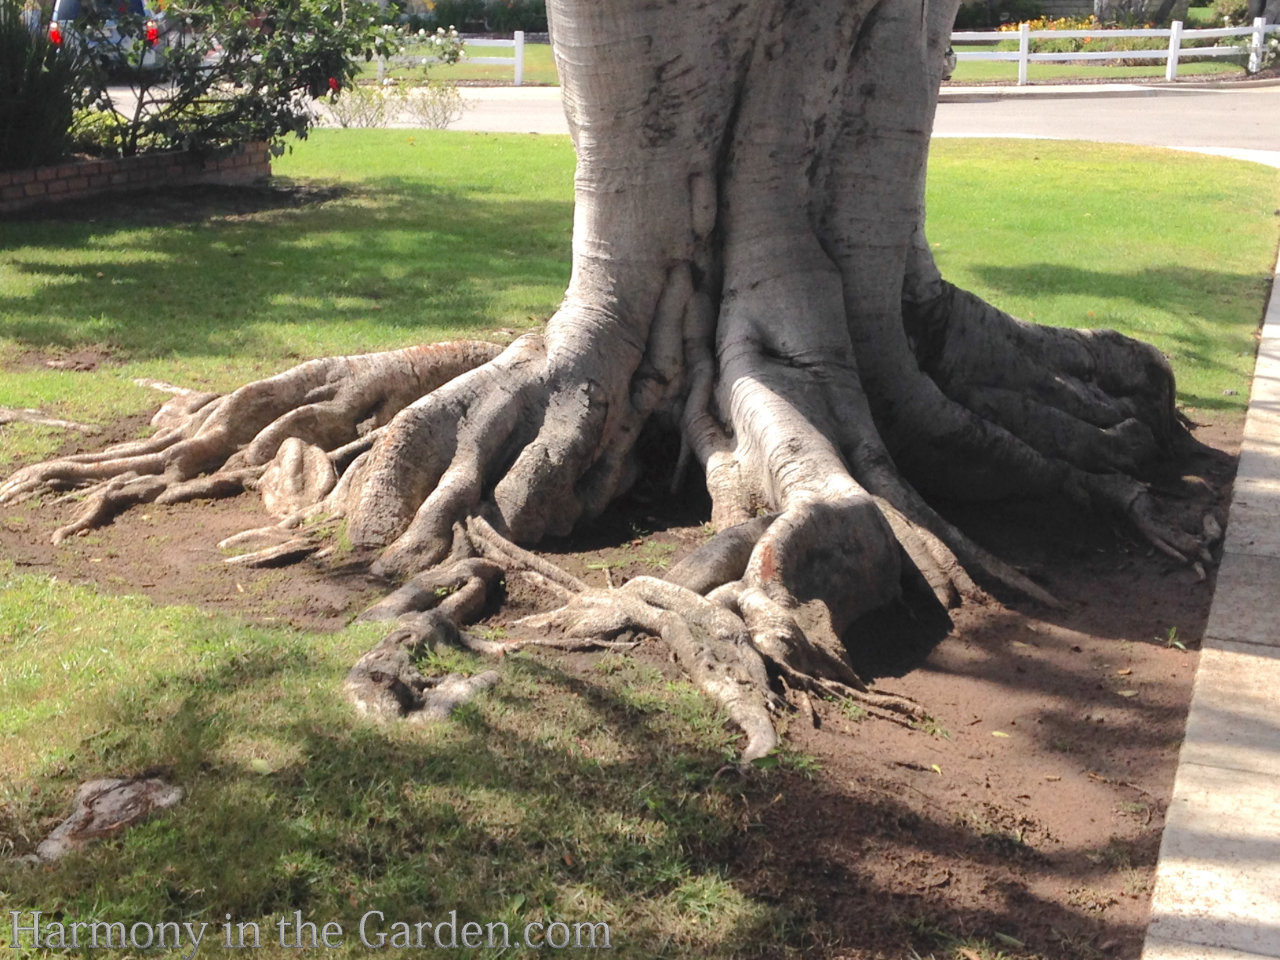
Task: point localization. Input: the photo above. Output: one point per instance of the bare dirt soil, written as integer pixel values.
(1028, 811)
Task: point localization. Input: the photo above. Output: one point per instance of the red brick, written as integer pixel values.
(78, 183)
(23, 176)
(58, 186)
(99, 180)
(119, 178)
(35, 189)
(46, 173)
(14, 192)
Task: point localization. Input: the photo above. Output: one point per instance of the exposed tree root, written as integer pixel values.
(385, 683)
(24, 415)
(324, 403)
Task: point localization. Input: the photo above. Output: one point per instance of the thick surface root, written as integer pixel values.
(385, 683)
(208, 445)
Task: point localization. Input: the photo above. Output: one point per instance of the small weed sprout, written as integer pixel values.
(851, 709)
(932, 727)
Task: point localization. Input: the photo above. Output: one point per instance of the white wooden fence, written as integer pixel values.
(516, 60)
(1175, 34)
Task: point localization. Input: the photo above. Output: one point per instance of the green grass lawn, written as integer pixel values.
(539, 67)
(1199, 17)
(550, 797)
(996, 71)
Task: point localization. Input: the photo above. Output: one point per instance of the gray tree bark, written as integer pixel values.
(750, 269)
(1269, 10)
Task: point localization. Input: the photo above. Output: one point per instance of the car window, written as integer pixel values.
(105, 9)
(109, 8)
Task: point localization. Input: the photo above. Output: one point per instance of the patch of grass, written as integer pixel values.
(1149, 242)
(539, 68)
(546, 798)
(438, 237)
(851, 709)
(999, 71)
(933, 727)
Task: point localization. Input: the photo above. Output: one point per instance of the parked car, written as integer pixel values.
(94, 25)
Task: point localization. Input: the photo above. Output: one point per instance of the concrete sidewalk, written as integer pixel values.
(1217, 890)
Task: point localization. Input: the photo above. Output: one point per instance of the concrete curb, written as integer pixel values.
(1063, 91)
(1217, 887)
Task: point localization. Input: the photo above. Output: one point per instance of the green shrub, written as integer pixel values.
(989, 14)
(273, 59)
(1230, 13)
(506, 16)
(39, 89)
(499, 16)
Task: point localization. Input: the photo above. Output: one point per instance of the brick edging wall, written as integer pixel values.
(23, 189)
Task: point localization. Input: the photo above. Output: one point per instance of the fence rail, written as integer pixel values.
(1174, 34)
(515, 61)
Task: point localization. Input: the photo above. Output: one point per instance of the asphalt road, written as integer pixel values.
(1247, 119)
(1237, 119)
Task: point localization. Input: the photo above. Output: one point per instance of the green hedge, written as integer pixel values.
(39, 88)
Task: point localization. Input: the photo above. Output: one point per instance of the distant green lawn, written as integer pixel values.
(553, 797)
(996, 71)
(539, 67)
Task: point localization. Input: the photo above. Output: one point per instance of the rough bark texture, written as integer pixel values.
(1269, 10)
(749, 269)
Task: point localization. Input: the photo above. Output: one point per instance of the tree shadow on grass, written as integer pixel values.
(552, 797)
(1207, 304)
(390, 260)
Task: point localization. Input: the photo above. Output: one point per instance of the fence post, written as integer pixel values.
(1024, 48)
(1175, 42)
(382, 69)
(1255, 46)
(519, 38)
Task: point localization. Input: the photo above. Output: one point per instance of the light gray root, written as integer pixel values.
(386, 684)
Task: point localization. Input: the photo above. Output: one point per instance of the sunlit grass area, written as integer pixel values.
(539, 67)
(1169, 247)
(999, 71)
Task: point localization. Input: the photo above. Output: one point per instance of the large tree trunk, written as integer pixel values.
(749, 269)
(1269, 10)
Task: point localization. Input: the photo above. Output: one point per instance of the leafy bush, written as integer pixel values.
(39, 89)
(225, 73)
(506, 16)
(501, 16)
(427, 103)
(989, 14)
(1230, 13)
(434, 104)
(1077, 44)
(1117, 45)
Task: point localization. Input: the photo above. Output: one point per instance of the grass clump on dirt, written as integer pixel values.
(557, 795)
